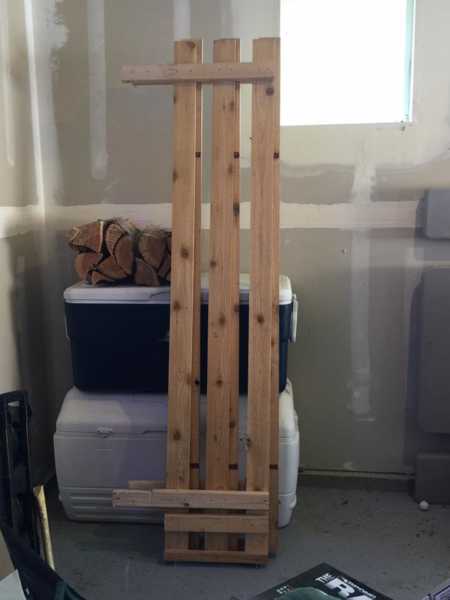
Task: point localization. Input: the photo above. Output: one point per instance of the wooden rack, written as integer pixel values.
(219, 520)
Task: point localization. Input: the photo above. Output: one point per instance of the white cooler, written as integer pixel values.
(104, 440)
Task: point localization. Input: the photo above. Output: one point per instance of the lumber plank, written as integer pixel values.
(203, 73)
(195, 415)
(211, 499)
(223, 312)
(215, 556)
(274, 52)
(192, 499)
(217, 523)
(145, 484)
(184, 298)
(140, 498)
(262, 273)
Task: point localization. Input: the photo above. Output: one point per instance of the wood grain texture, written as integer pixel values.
(223, 313)
(195, 418)
(216, 556)
(185, 307)
(216, 523)
(195, 499)
(263, 272)
(211, 499)
(273, 54)
(203, 73)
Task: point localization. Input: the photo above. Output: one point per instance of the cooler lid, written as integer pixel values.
(84, 293)
(109, 414)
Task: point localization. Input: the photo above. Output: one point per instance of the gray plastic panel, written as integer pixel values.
(437, 214)
(434, 352)
(433, 478)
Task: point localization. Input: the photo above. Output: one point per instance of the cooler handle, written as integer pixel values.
(294, 319)
(66, 328)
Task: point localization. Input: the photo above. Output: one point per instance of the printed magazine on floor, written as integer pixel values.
(321, 583)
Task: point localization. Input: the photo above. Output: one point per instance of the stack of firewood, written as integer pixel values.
(116, 251)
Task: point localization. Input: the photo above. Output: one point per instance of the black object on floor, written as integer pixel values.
(321, 583)
(17, 503)
(38, 580)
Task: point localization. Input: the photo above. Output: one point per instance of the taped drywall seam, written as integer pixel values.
(345, 216)
(32, 75)
(360, 288)
(97, 88)
(16, 220)
(5, 74)
(181, 19)
(45, 35)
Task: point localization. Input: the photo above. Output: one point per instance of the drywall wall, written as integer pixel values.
(22, 257)
(350, 213)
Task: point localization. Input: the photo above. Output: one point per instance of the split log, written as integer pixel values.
(97, 277)
(164, 269)
(152, 246)
(88, 236)
(85, 263)
(124, 253)
(111, 269)
(114, 233)
(145, 274)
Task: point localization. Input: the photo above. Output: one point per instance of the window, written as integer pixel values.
(346, 61)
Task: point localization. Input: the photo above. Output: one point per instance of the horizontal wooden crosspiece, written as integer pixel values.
(217, 523)
(202, 73)
(204, 499)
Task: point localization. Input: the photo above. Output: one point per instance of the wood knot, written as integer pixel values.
(236, 209)
(197, 381)
(184, 252)
(232, 423)
(219, 382)
(222, 320)
(260, 318)
(236, 154)
(198, 154)
(276, 155)
(270, 91)
(231, 105)
(177, 435)
(174, 98)
(176, 305)
(174, 175)
(213, 263)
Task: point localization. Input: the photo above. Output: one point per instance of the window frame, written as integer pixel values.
(408, 71)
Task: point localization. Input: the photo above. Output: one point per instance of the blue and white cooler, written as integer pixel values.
(115, 420)
(105, 440)
(119, 335)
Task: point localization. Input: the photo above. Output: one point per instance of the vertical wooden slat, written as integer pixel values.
(195, 423)
(185, 306)
(195, 538)
(274, 417)
(263, 273)
(223, 311)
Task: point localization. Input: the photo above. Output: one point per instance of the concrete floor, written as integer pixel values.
(380, 538)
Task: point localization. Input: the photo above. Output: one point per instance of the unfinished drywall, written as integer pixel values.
(22, 256)
(350, 211)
